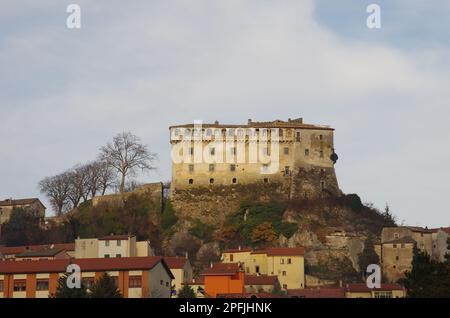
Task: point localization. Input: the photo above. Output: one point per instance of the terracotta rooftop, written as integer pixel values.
(115, 237)
(260, 280)
(317, 293)
(40, 253)
(86, 265)
(223, 269)
(13, 250)
(175, 262)
(361, 288)
(237, 250)
(282, 251)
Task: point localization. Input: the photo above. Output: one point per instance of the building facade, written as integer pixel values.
(299, 157)
(181, 269)
(136, 277)
(8, 205)
(288, 264)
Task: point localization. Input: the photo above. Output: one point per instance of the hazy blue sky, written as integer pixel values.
(144, 65)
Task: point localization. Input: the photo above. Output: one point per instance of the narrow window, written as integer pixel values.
(306, 152)
(281, 260)
(321, 153)
(232, 167)
(286, 171)
(119, 242)
(234, 180)
(320, 137)
(284, 273)
(211, 180)
(297, 136)
(266, 180)
(107, 243)
(191, 181)
(286, 150)
(212, 151)
(257, 269)
(231, 257)
(212, 167)
(289, 261)
(191, 151)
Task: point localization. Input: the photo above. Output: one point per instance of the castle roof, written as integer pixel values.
(290, 123)
(402, 240)
(19, 202)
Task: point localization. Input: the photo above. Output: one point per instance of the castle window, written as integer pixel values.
(321, 153)
(397, 258)
(212, 151)
(191, 168)
(191, 181)
(232, 167)
(306, 152)
(297, 136)
(280, 132)
(212, 167)
(191, 151)
(286, 171)
(286, 150)
(211, 180)
(284, 273)
(234, 180)
(289, 261)
(233, 150)
(266, 180)
(321, 137)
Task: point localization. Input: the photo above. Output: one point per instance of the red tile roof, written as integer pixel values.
(41, 253)
(223, 269)
(362, 288)
(115, 237)
(175, 262)
(12, 250)
(86, 265)
(317, 293)
(237, 250)
(281, 251)
(260, 280)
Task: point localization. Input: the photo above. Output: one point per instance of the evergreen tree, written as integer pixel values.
(63, 291)
(368, 255)
(428, 278)
(105, 287)
(186, 292)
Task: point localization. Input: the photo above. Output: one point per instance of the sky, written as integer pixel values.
(142, 66)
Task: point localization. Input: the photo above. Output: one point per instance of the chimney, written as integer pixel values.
(216, 122)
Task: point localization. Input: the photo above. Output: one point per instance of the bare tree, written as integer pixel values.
(107, 177)
(57, 189)
(78, 179)
(126, 154)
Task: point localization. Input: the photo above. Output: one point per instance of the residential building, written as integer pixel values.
(223, 278)
(136, 277)
(287, 264)
(261, 283)
(182, 271)
(33, 204)
(112, 246)
(397, 245)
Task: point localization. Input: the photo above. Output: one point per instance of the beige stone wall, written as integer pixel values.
(290, 276)
(396, 260)
(7, 210)
(307, 159)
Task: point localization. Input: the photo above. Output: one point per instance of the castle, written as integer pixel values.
(298, 157)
